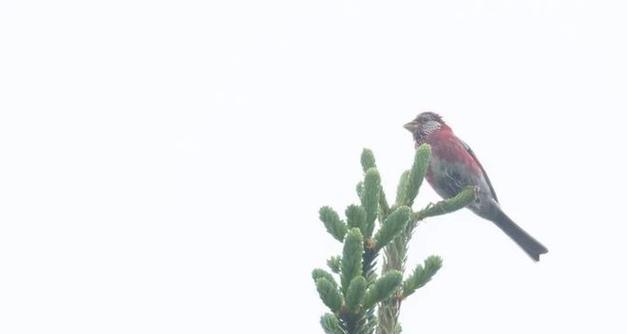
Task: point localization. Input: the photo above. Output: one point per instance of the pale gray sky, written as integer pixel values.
(163, 163)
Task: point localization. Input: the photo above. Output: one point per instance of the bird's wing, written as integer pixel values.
(485, 175)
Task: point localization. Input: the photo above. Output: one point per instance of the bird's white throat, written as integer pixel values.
(430, 126)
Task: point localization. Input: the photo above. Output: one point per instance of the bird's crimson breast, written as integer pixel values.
(447, 147)
(451, 167)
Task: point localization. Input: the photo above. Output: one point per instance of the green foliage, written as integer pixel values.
(336, 227)
(418, 172)
(321, 273)
(355, 293)
(383, 288)
(356, 217)
(455, 203)
(367, 160)
(351, 265)
(392, 226)
(329, 294)
(421, 275)
(359, 188)
(334, 264)
(360, 293)
(331, 324)
(401, 190)
(370, 199)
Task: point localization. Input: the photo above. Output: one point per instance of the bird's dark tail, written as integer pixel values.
(530, 245)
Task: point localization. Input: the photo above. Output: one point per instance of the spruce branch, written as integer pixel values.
(331, 324)
(359, 188)
(360, 293)
(401, 190)
(334, 264)
(356, 217)
(370, 210)
(395, 254)
(336, 227)
(392, 226)
(382, 288)
(395, 257)
(355, 293)
(457, 202)
(368, 161)
(321, 273)
(417, 172)
(329, 294)
(351, 265)
(370, 199)
(356, 265)
(421, 275)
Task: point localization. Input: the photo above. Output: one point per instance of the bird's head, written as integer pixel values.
(424, 124)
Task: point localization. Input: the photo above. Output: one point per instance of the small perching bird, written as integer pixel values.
(454, 166)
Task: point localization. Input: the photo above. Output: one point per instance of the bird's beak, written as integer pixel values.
(411, 126)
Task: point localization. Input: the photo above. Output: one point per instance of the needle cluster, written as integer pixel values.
(368, 300)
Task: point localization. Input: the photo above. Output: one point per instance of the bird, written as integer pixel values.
(454, 166)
